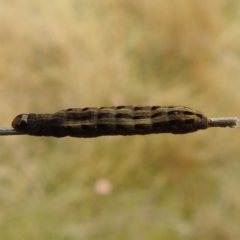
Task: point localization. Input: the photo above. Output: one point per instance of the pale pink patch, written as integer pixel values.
(103, 187)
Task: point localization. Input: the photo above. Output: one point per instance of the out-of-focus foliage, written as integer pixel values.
(74, 53)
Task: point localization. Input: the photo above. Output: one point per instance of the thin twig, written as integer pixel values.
(231, 122)
(224, 122)
(9, 131)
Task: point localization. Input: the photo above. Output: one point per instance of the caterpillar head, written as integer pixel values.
(20, 122)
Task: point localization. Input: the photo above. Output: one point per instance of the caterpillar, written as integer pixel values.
(105, 121)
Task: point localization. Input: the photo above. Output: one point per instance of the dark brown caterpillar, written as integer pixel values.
(121, 120)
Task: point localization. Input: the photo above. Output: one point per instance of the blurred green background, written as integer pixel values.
(73, 53)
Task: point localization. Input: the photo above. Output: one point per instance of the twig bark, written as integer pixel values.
(9, 131)
(224, 122)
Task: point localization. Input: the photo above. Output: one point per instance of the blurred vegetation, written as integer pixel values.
(75, 53)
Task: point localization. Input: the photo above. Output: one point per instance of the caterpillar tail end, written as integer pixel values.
(232, 122)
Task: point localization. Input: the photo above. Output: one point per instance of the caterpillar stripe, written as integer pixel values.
(120, 120)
